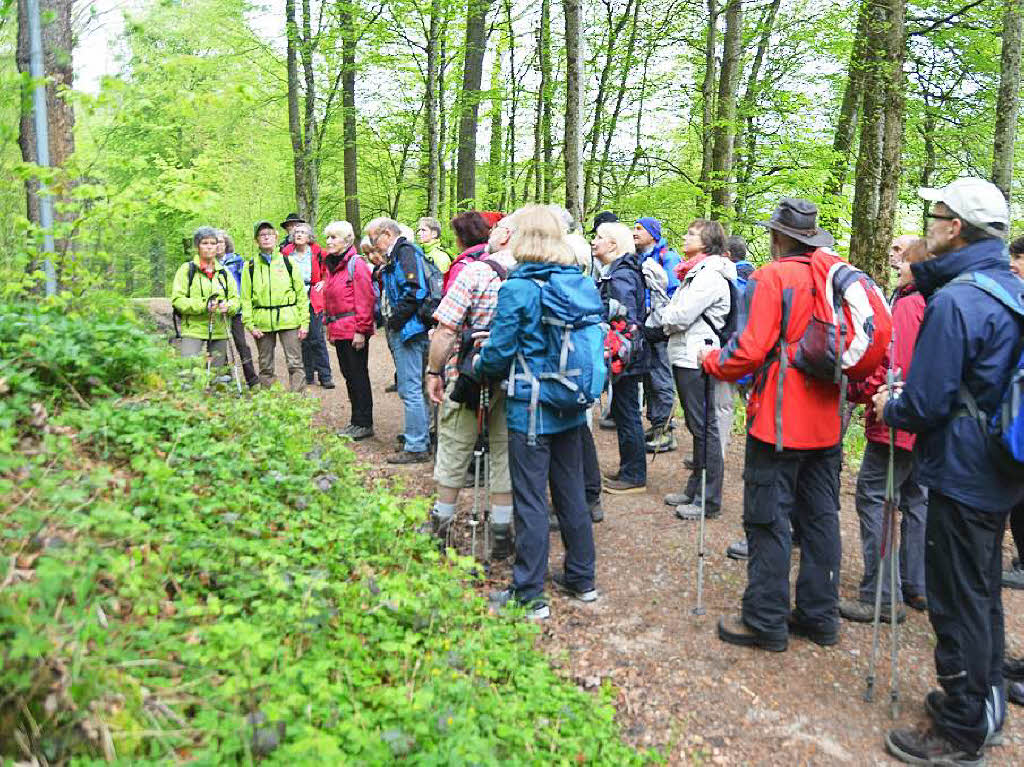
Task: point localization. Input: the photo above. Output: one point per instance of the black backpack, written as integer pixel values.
(732, 319)
(466, 390)
(175, 314)
(433, 282)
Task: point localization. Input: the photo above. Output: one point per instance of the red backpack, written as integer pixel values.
(850, 327)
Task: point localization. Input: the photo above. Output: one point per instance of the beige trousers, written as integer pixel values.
(266, 345)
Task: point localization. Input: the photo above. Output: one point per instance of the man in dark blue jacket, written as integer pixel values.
(968, 341)
(404, 289)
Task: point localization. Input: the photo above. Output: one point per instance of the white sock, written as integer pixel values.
(444, 510)
(501, 515)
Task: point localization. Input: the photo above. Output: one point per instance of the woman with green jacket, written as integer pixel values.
(205, 297)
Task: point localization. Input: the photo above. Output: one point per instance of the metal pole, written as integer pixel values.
(42, 139)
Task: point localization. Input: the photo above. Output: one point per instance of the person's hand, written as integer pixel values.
(435, 389)
(479, 337)
(358, 341)
(319, 286)
(702, 354)
(882, 396)
(222, 307)
(303, 334)
(256, 333)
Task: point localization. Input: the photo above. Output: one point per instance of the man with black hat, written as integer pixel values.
(288, 224)
(793, 447)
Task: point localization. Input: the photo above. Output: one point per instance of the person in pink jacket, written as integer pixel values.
(346, 293)
(907, 312)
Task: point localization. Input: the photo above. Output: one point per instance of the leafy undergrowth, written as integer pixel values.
(188, 578)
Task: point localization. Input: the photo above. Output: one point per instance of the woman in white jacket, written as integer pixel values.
(698, 310)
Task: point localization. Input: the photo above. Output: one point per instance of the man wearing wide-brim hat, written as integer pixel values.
(793, 447)
(288, 224)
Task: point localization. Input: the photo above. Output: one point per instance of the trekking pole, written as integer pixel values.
(231, 354)
(894, 626)
(485, 401)
(209, 340)
(888, 561)
(699, 609)
(478, 456)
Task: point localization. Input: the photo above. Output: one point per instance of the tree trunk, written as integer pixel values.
(510, 165)
(350, 155)
(442, 123)
(433, 146)
(1008, 103)
(310, 147)
(294, 119)
(881, 131)
(849, 110)
(495, 174)
(57, 44)
(472, 74)
(725, 124)
(573, 108)
(542, 131)
(707, 90)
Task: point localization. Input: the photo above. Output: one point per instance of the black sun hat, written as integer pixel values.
(293, 218)
(799, 219)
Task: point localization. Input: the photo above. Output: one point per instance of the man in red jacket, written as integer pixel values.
(907, 312)
(793, 447)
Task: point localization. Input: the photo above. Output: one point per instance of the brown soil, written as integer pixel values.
(680, 689)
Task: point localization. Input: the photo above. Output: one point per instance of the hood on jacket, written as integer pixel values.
(720, 264)
(230, 259)
(983, 255)
(570, 294)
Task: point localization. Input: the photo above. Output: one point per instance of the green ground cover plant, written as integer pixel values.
(205, 578)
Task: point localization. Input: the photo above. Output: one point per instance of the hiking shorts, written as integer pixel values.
(456, 439)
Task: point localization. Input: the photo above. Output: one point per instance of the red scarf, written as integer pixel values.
(685, 266)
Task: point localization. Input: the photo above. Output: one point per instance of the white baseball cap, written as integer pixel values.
(976, 201)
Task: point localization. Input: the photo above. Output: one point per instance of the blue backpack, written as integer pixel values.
(1005, 427)
(572, 374)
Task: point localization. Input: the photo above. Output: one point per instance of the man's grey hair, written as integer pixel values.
(383, 223)
(304, 227)
(563, 215)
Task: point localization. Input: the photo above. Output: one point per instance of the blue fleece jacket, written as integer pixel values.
(668, 259)
(966, 337)
(516, 328)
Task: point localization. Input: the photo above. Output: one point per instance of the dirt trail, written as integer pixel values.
(679, 687)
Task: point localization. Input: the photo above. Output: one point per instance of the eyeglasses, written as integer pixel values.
(940, 217)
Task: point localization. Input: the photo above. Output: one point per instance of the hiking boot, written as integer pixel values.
(1013, 668)
(610, 475)
(553, 526)
(596, 512)
(738, 550)
(1014, 577)
(1015, 693)
(662, 443)
(816, 635)
(406, 456)
(688, 463)
(934, 701)
(622, 487)
(690, 512)
(328, 384)
(346, 432)
(678, 499)
(536, 609)
(928, 746)
(607, 423)
(864, 612)
(502, 541)
(588, 595)
(360, 432)
(733, 630)
(915, 601)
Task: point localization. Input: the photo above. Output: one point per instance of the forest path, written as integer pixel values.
(679, 687)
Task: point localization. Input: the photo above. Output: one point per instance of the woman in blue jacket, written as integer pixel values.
(543, 441)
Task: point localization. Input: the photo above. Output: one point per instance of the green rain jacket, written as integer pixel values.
(190, 298)
(436, 255)
(273, 296)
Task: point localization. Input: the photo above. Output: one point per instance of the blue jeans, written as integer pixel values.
(409, 368)
(625, 412)
(314, 350)
(556, 459)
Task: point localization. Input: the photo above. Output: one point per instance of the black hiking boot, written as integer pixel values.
(929, 746)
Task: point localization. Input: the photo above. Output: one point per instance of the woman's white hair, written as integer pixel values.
(341, 229)
(620, 234)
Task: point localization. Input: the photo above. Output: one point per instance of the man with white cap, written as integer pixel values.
(968, 345)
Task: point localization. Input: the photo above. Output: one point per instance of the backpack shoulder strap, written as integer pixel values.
(287, 265)
(983, 282)
(191, 276)
(497, 268)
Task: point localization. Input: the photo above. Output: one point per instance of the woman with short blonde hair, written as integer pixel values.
(539, 237)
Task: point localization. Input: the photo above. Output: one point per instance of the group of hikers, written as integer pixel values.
(510, 344)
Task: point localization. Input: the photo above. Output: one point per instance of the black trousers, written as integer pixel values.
(625, 412)
(556, 461)
(314, 350)
(804, 484)
(701, 421)
(1017, 529)
(354, 364)
(591, 467)
(963, 577)
(244, 355)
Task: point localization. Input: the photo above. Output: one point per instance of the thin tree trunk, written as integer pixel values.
(1008, 103)
(708, 98)
(433, 147)
(849, 111)
(929, 164)
(892, 139)
(542, 148)
(350, 154)
(310, 151)
(573, 108)
(472, 75)
(495, 174)
(58, 40)
(725, 124)
(510, 176)
(442, 123)
(294, 118)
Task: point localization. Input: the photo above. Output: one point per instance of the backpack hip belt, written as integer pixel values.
(328, 319)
